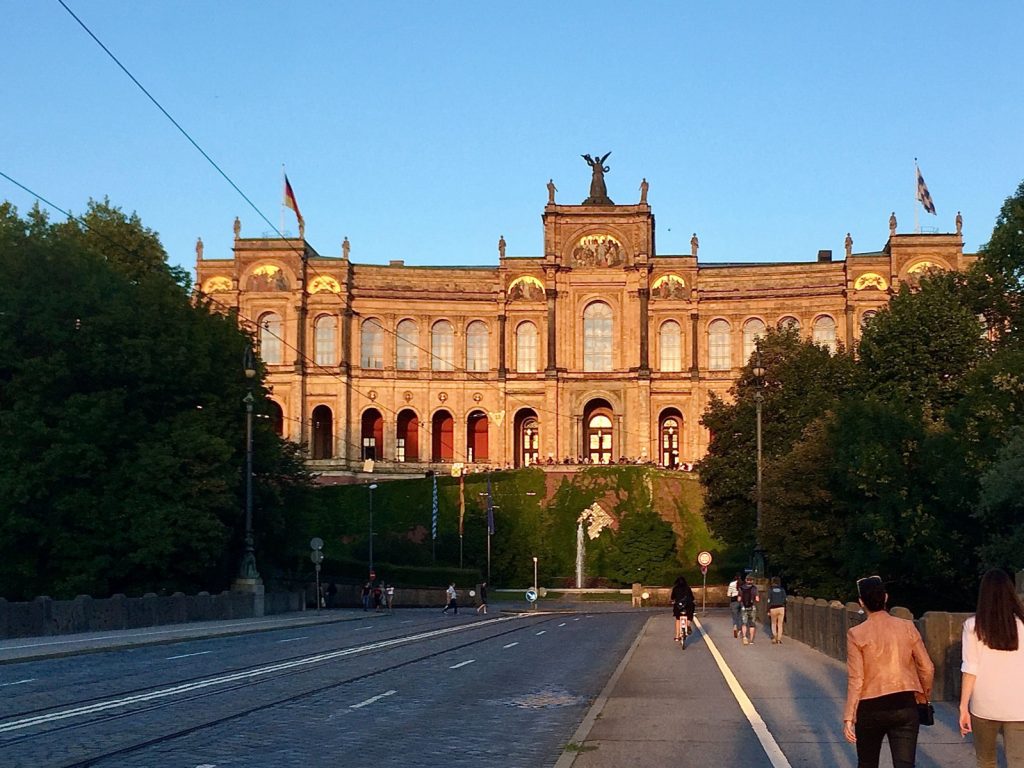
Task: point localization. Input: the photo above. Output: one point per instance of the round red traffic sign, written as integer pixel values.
(704, 559)
(373, 575)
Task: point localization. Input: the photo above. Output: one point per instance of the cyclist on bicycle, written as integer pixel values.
(682, 605)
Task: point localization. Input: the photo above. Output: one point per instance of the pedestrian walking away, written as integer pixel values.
(748, 600)
(776, 609)
(389, 595)
(733, 593)
(482, 608)
(991, 699)
(453, 600)
(888, 674)
(366, 596)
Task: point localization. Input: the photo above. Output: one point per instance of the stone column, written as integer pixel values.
(644, 368)
(551, 294)
(502, 365)
(849, 326)
(694, 346)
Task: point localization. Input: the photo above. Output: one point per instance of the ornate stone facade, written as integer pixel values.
(599, 349)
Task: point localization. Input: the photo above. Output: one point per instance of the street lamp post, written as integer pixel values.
(758, 371)
(372, 487)
(535, 577)
(248, 570)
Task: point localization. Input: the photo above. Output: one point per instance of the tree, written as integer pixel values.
(121, 424)
(1000, 507)
(643, 549)
(1002, 264)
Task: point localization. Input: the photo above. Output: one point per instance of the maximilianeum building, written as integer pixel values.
(600, 350)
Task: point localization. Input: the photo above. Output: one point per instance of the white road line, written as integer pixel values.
(372, 699)
(577, 618)
(17, 682)
(510, 645)
(186, 655)
(293, 639)
(768, 743)
(368, 626)
(562, 624)
(541, 632)
(178, 690)
(407, 621)
(462, 664)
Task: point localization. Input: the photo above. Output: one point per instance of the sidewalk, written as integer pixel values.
(666, 706)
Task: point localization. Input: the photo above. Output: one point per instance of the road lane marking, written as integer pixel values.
(768, 743)
(372, 699)
(562, 624)
(368, 626)
(293, 639)
(577, 618)
(541, 632)
(17, 682)
(462, 664)
(186, 655)
(510, 645)
(233, 677)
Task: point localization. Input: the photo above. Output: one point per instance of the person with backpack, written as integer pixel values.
(776, 609)
(683, 604)
(733, 593)
(748, 607)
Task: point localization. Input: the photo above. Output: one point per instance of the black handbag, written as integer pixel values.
(926, 713)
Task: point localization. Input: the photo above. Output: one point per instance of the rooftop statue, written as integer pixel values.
(598, 191)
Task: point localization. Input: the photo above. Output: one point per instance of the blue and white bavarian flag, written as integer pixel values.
(433, 514)
(924, 195)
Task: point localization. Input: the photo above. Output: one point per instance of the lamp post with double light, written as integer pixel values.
(248, 571)
(758, 371)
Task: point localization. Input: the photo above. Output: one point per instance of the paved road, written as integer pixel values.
(412, 689)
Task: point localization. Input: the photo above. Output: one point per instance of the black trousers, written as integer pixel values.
(899, 725)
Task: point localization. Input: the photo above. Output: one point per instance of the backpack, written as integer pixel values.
(747, 592)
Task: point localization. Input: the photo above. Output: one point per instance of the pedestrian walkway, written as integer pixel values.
(719, 702)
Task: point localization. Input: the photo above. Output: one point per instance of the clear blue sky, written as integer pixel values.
(423, 131)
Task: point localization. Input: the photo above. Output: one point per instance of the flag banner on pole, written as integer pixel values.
(433, 513)
(490, 509)
(289, 199)
(462, 501)
(924, 195)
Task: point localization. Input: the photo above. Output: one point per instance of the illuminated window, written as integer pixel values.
(372, 344)
(442, 346)
(271, 339)
(824, 333)
(597, 337)
(407, 352)
(670, 346)
(719, 346)
(526, 348)
(325, 335)
(477, 340)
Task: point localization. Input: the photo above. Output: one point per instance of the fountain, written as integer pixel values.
(579, 555)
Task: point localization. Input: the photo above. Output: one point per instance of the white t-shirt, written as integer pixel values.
(452, 594)
(733, 590)
(997, 691)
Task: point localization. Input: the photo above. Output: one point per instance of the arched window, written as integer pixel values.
(276, 416)
(599, 439)
(477, 341)
(753, 330)
(670, 346)
(442, 438)
(670, 432)
(789, 323)
(866, 317)
(824, 333)
(527, 438)
(476, 437)
(597, 337)
(372, 435)
(325, 335)
(407, 351)
(407, 446)
(272, 339)
(371, 344)
(442, 346)
(526, 348)
(719, 345)
(323, 433)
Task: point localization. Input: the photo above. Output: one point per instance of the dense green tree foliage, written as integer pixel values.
(902, 460)
(121, 418)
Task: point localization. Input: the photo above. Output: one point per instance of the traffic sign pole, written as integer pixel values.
(704, 560)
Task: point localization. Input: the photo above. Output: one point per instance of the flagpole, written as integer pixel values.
(917, 213)
(282, 200)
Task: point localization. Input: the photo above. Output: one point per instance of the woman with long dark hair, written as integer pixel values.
(683, 604)
(889, 673)
(992, 689)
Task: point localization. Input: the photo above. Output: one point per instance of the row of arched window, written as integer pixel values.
(598, 342)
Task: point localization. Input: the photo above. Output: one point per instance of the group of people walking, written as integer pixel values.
(890, 675)
(744, 598)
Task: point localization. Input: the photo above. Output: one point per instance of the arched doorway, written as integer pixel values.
(372, 435)
(527, 438)
(670, 430)
(476, 437)
(442, 437)
(407, 438)
(276, 416)
(598, 432)
(323, 433)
